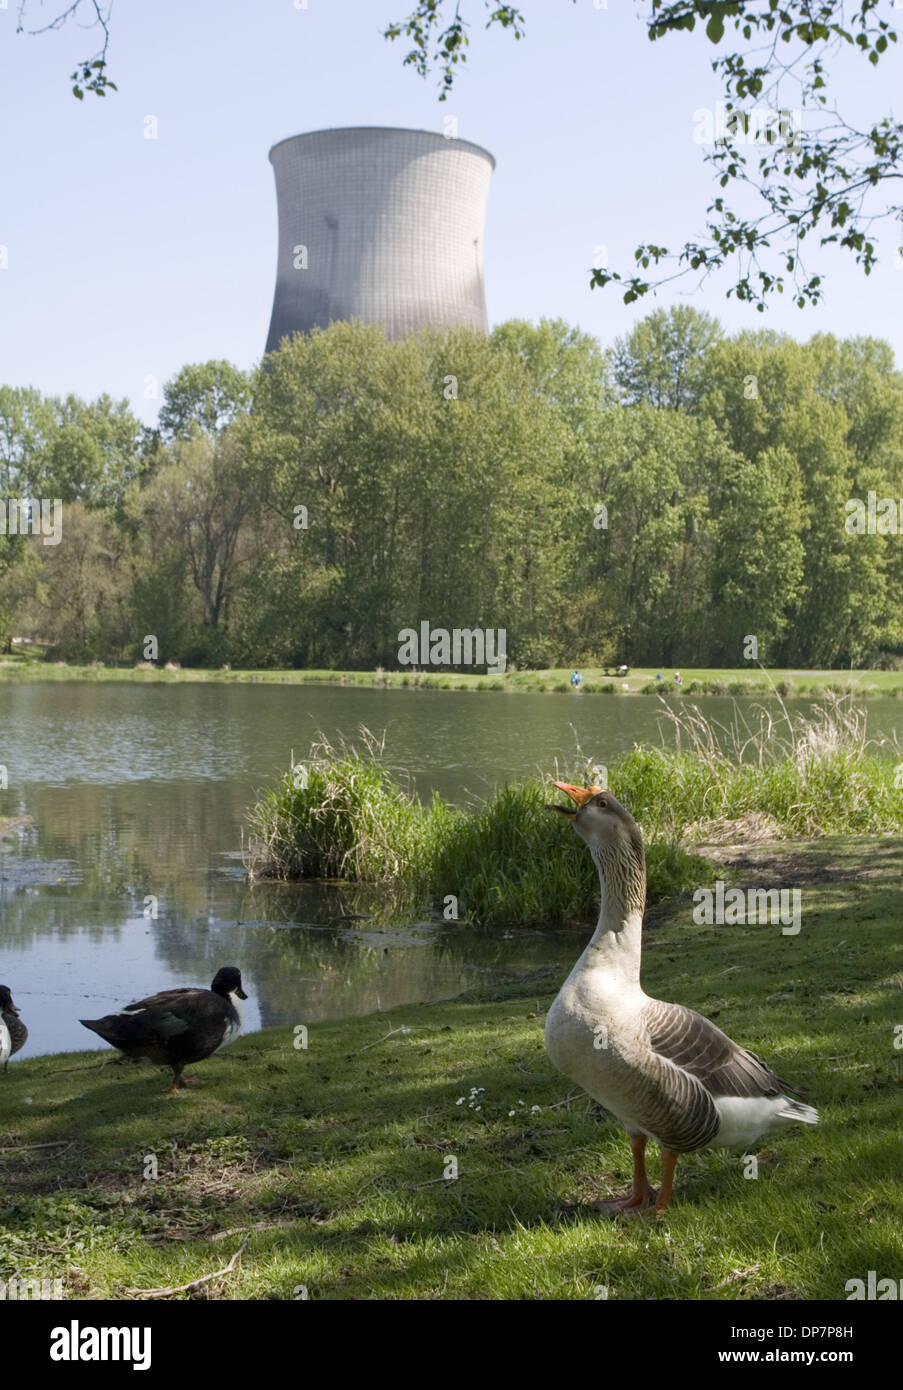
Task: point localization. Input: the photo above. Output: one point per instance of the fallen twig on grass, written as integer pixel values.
(557, 1104)
(738, 1274)
(195, 1283)
(392, 1031)
(48, 1144)
(257, 1226)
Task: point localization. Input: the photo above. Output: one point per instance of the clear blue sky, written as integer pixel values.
(130, 257)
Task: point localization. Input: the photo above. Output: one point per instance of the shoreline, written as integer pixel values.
(739, 682)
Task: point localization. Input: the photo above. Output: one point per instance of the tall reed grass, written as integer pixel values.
(815, 774)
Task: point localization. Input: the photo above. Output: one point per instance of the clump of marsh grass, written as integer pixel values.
(340, 814)
(343, 814)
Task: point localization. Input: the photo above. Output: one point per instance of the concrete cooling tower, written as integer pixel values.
(382, 225)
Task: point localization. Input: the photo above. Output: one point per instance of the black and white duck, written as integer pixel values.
(177, 1026)
(13, 1032)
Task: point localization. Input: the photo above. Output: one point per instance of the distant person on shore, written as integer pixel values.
(678, 679)
(576, 680)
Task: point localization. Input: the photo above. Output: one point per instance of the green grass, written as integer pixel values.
(327, 1164)
(697, 681)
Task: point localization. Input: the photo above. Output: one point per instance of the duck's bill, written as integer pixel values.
(241, 994)
(577, 794)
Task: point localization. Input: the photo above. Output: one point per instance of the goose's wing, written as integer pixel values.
(695, 1045)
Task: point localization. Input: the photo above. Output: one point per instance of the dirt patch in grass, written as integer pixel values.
(788, 863)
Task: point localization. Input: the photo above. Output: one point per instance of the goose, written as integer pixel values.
(663, 1070)
(177, 1026)
(13, 1033)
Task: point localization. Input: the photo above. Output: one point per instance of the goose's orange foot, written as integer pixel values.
(634, 1201)
(631, 1202)
(641, 1195)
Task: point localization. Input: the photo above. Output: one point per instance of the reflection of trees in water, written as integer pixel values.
(309, 951)
(137, 839)
(326, 960)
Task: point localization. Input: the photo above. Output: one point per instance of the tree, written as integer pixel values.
(432, 476)
(79, 598)
(190, 516)
(663, 360)
(71, 449)
(568, 366)
(205, 396)
(763, 392)
(784, 143)
(758, 556)
(93, 455)
(644, 576)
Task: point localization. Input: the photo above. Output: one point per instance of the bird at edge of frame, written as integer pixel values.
(13, 1033)
(664, 1071)
(177, 1026)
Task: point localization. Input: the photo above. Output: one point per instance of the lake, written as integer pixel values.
(139, 792)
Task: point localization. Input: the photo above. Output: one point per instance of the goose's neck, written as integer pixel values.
(616, 944)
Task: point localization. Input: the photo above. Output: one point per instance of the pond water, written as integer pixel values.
(140, 791)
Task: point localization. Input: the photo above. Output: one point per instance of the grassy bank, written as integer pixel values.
(325, 1166)
(744, 681)
(342, 814)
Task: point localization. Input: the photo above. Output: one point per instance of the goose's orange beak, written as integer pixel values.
(577, 794)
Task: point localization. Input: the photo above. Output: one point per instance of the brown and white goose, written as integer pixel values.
(664, 1071)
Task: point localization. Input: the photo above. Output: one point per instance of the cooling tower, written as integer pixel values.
(382, 225)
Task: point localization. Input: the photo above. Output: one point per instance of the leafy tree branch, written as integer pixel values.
(91, 73)
(791, 171)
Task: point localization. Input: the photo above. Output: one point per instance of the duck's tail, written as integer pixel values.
(95, 1024)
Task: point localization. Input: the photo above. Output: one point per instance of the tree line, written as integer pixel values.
(655, 503)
